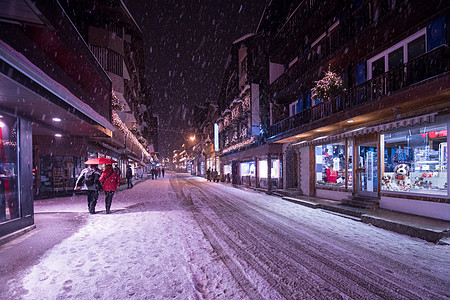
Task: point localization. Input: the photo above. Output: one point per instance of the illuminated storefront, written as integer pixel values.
(402, 166)
(16, 203)
(9, 191)
(415, 161)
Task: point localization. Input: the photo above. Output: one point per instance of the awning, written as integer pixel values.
(428, 118)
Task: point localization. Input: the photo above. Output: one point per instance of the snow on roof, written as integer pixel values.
(243, 38)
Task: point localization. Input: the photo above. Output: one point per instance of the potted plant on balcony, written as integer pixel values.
(328, 87)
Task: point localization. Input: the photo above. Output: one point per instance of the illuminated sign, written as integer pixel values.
(434, 134)
(216, 137)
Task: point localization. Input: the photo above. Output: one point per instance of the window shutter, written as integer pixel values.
(436, 33)
(360, 73)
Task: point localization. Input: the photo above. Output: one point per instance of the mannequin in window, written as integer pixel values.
(332, 175)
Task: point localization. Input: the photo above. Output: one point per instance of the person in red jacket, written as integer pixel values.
(110, 181)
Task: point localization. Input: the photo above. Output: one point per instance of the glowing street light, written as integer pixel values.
(192, 138)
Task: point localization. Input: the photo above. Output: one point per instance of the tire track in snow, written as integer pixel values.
(359, 274)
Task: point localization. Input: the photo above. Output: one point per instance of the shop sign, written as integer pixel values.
(434, 134)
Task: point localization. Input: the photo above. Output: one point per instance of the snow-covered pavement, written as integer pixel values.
(185, 238)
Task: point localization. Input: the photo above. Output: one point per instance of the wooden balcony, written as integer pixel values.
(414, 74)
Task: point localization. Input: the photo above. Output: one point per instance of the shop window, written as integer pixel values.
(350, 165)
(330, 164)
(247, 171)
(415, 161)
(9, 191)
(262, 168)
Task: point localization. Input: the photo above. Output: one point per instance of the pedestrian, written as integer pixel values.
(159, 172)
(208, 174)
(129, 176)
(88, 181)
(215, 176)
(117, 170)
(162, 171)
(110, 180)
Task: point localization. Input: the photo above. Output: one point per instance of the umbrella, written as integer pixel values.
(100, 161)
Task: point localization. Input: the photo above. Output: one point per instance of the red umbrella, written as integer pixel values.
(100, 161)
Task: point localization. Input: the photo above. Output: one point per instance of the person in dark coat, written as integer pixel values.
(91, 187)
(208, 174)
(215, 176)
(129, 176)
(110, 180)
(162, 171)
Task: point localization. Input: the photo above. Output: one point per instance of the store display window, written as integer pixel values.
(9, 191)
(415, 160)
(248, 168)
(350, 164)
(330, 164)
(58, 173)
(275, 170)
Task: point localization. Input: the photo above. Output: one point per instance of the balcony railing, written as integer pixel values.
(425, 67)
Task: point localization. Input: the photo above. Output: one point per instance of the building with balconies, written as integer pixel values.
(243, 109)
(382, 139)
(117, 42)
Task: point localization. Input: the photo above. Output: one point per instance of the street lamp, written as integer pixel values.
(192, 138)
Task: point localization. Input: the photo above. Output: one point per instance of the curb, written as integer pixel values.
(7, 238)
(429, 235)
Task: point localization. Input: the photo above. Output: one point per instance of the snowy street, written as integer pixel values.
(181, 237)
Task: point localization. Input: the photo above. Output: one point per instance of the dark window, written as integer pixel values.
(416, 48)
(395, 58)
(378, 67)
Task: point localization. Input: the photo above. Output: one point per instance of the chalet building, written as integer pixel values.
(203, 156)
(116, 41)
(54, 94)
(243, 109)
(379, 136)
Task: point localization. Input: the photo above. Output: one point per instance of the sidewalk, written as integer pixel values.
(429, 229)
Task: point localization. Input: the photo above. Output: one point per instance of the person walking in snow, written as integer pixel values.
(215, 176)
(88, 181)
(129, 176)
(208, 174)
(162, 171)
(110, 180)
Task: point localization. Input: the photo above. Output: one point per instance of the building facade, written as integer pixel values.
(54, 96)
(379, 137)
(245, 158)
(117, 43)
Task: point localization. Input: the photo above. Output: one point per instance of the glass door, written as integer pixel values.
(367, 171)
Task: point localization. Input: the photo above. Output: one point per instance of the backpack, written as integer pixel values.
(89, 178)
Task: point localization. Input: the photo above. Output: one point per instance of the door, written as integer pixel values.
(367, 170)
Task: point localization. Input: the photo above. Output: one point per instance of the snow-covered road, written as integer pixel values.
(185, 238)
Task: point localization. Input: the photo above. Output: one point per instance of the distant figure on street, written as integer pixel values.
(88, 181)
(129, 176)
(215, 176)
(159, 172)
(162, 171)
(208, 174)
(110, 180)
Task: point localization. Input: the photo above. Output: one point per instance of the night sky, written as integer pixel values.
(187, 44)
